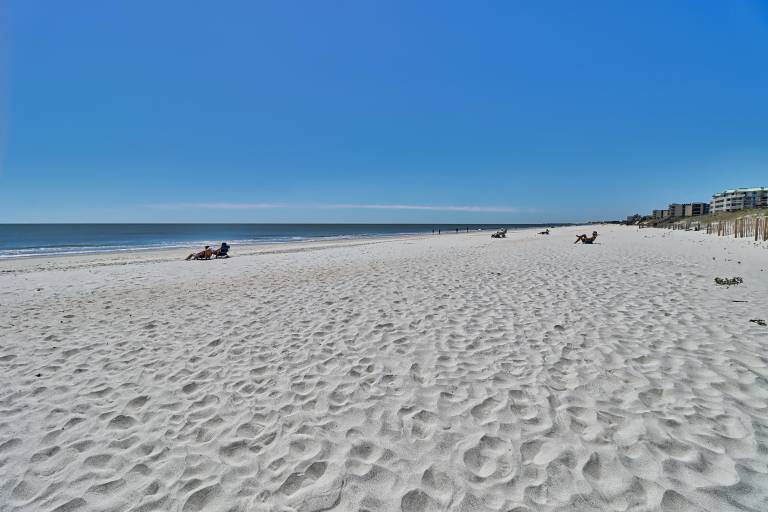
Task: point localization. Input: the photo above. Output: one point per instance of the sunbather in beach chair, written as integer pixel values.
(205, 254)
(501, 233)
(222, 252)
(586, 239)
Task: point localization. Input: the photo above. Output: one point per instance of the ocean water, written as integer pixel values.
(24, 240)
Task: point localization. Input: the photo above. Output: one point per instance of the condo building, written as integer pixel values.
(694, 209)
(676, 210)
(739, 199)
(687, 209)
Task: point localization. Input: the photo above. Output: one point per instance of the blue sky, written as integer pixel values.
(358, 111)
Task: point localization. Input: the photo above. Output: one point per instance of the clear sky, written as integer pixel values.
(391, 111)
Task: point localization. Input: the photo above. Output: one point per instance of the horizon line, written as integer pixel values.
(333, 206)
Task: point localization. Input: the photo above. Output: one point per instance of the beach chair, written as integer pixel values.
(222, 252)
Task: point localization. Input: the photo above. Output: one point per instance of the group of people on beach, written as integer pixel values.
(584, 239)
(223, 252)
(208, 253)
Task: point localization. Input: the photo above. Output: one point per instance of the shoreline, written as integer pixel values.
(248, 244)
(84, 246)
(166, 254)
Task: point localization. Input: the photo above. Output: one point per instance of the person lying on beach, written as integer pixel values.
(205, 254)
(545, 232)
(586, 239)
(223, 251)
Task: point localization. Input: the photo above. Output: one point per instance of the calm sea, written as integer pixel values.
(21, 240)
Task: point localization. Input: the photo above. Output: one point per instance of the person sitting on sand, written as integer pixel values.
(223, 251)
(205, 254)
(586, 239)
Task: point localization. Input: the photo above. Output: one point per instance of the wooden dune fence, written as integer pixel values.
(748, 227)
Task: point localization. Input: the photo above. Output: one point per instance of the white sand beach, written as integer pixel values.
(453, 372)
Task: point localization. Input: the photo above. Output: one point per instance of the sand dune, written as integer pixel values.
(449, 372)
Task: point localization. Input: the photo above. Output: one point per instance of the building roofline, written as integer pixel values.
(735, 190)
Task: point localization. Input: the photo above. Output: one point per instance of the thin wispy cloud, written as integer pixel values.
(334, 206)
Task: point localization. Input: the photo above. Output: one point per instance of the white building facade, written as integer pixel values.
(739, 199)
